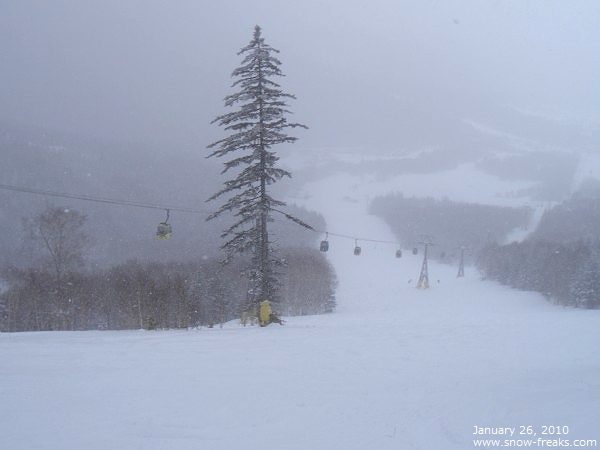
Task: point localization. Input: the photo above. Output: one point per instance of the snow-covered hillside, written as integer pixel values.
(394, 368)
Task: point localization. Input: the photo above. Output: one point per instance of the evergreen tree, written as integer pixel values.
(256, 126)
(585, 287)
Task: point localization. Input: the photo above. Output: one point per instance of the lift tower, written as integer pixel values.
(423, 282)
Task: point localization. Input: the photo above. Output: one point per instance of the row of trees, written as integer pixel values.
(55, 293)
(138, 295)
(452, 224)
(568, 273)
(575, 218)
(561, 258)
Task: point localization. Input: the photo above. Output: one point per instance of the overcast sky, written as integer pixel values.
(376, 73)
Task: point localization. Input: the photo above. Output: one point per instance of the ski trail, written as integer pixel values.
(519, 234)
(365, 281)
(376, 282)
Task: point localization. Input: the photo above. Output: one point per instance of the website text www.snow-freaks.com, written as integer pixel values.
(529, 436)
(539, 442)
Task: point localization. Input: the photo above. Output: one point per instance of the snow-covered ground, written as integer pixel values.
(394, 368)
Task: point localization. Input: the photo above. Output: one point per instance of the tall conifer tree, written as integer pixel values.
(255, 127)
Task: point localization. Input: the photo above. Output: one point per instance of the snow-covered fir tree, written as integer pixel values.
(256, 125)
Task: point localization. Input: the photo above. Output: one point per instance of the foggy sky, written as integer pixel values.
(386, 73)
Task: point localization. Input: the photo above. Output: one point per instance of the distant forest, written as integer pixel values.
(576, 218)
(560, 259)
(137, 295)
(451, 225)
(566, 273)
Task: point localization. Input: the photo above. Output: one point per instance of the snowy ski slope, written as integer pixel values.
(394, 368)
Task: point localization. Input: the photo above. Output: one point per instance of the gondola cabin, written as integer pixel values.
(357, 251)
(164, 231)
(415, 251)
(398, 253)
(325, 243)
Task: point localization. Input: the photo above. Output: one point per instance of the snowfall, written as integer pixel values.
(394, 367)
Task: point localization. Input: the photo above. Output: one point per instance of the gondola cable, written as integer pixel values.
(9, 187)
(164, 229)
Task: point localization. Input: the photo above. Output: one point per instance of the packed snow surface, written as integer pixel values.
(395, 367)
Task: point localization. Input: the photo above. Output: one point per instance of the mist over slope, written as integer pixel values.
(59, 162)
(495, 171)
(483, 94)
